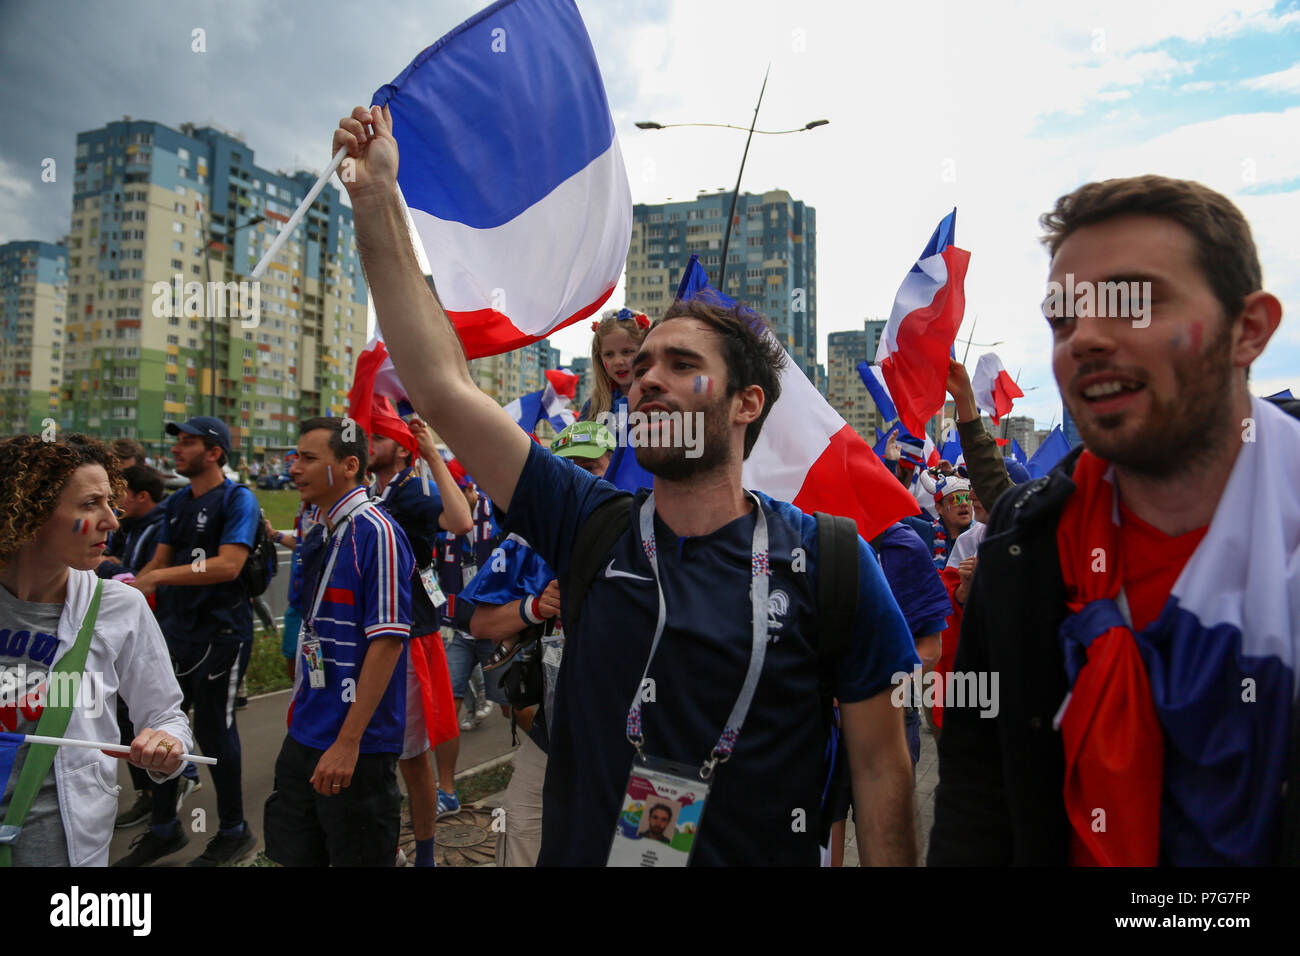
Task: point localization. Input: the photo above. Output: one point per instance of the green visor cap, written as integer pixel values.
(583, 440)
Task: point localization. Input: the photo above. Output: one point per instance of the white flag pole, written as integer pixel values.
(287, 229)
(111, 748)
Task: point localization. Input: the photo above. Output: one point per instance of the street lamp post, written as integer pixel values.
(735, 193)
(212, 319)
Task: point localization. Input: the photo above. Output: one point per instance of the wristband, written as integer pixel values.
(279, 537)
(530, 610)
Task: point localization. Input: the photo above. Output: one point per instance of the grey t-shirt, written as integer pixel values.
(28, 648)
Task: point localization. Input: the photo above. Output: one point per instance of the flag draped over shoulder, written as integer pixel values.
(807, 454)
(917, 342)
(512, 172)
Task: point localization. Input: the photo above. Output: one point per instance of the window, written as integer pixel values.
(183, 155)
(178, 227)
(173, 340)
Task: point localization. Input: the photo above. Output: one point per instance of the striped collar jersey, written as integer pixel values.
(356, 587)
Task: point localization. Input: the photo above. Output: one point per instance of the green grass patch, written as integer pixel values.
(266, 665)
(280, 506)
(486, 783)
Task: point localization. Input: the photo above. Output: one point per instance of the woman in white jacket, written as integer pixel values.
(56, 511)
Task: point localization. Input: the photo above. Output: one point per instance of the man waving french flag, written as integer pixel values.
(922, 327)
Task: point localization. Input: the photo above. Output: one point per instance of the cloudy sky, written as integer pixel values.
(995, 108)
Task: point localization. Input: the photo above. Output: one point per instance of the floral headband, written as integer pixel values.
(640, 318)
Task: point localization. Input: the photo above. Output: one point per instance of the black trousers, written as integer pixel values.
(208, 675)
(356, 827)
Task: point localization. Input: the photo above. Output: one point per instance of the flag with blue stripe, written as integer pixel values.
(512, 172)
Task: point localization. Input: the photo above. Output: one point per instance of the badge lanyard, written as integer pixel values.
(322, 585)
(759, 572)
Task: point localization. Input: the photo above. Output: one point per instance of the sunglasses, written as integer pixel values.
(960, 497)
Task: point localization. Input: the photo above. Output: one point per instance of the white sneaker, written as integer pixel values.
(483, 711)
(401, 857)
(186, 787)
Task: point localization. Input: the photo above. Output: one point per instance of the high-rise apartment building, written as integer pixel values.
(507, 376)
(1020, 428)
(581, 366)
(33, 291)
(844, 389)
(1017, 427)
(771, 262)
(160, 227)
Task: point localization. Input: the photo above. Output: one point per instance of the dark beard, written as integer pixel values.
(1182, 432)
(671, 464)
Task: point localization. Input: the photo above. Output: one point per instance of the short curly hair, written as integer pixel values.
(33, 474)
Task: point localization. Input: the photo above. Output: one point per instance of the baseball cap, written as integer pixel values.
(205, 426)
(587, 439)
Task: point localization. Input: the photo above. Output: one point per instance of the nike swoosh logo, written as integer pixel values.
(611, 573)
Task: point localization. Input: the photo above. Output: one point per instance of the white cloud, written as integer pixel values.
(1283, 81)
(909, 89)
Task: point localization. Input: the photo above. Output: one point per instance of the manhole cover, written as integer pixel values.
(464, 838)
(460, 835)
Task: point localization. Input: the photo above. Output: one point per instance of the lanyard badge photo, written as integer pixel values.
(663, 802)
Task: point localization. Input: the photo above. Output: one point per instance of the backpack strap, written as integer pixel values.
(598, 534)
(837, 585)
(837, 602)
(53, 723)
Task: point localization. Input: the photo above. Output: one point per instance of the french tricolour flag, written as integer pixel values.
(808, 455)
(550, 403)
(927, 313)
(994, 388)
(512, 173)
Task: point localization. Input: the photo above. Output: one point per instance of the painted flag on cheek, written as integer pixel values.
(512, 172)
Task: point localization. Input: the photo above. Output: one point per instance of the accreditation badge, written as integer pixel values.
(313, 663)
(431, 587)
(660, 818)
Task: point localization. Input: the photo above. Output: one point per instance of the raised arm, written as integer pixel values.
(984, 462)
(424, 347)
(455, 516)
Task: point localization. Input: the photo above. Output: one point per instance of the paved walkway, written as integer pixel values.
(261, 732)
(927, 778)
